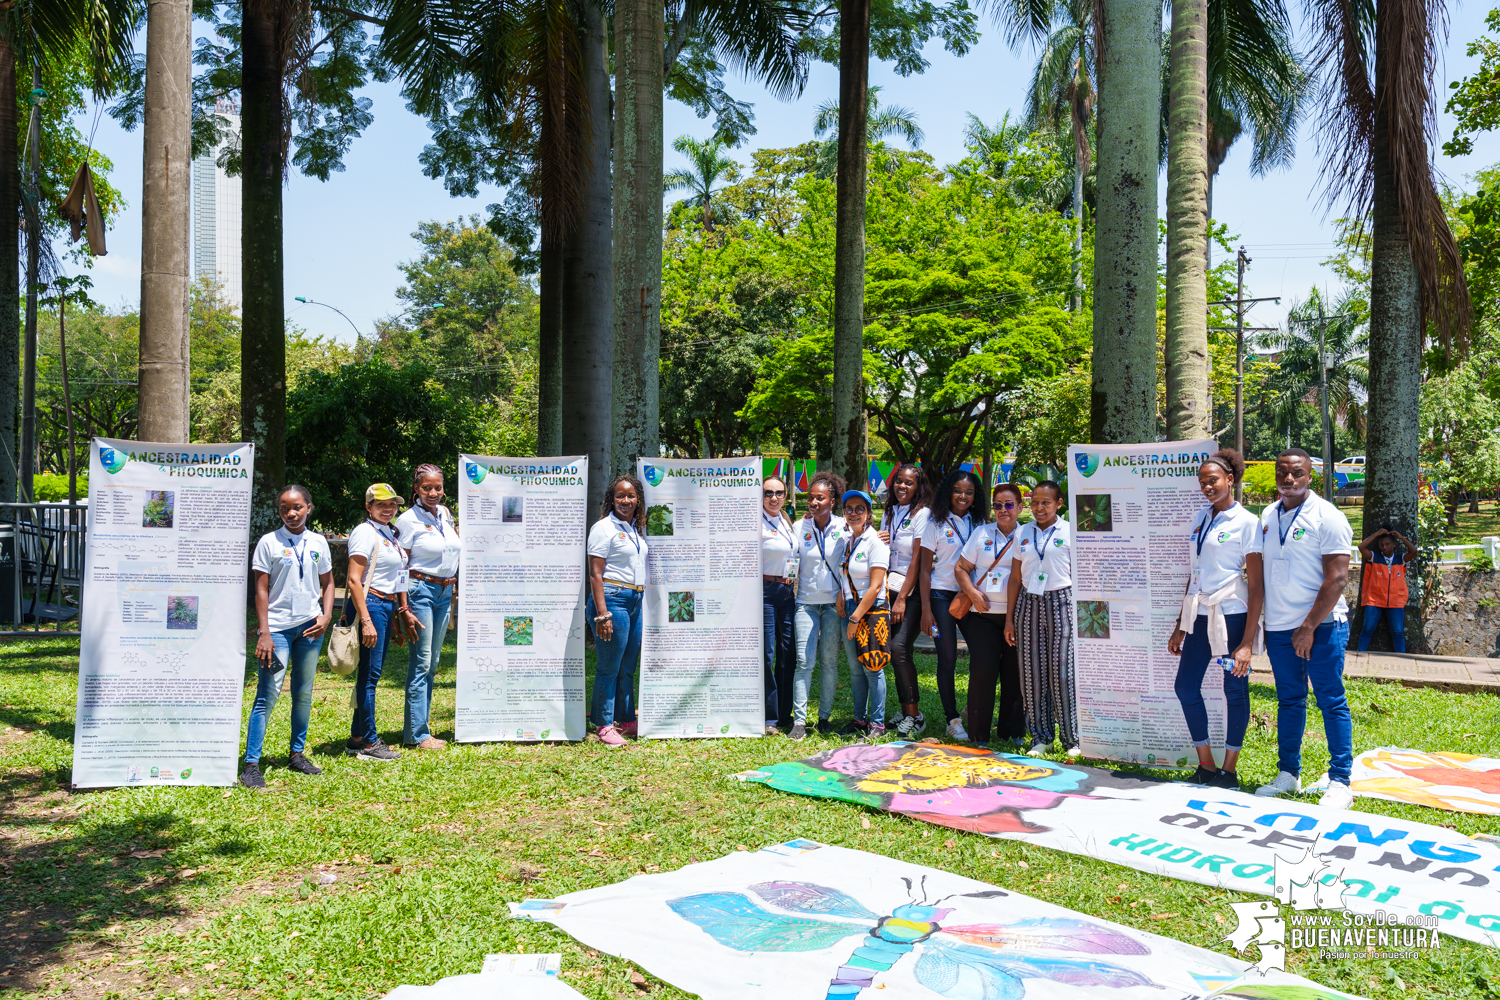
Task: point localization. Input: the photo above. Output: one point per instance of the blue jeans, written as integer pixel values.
(1190, 670)
(1325, 669)
(781, 664)
(817, 628)
(1397, 619)
(430, 604)
(300, 654)
(618, 657)
(866, 687)
(371, 662)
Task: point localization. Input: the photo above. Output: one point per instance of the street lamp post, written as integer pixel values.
(325, 305)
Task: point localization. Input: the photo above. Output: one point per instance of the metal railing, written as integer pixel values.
(42, 548)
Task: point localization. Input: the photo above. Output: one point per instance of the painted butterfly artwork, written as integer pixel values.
(964, 961)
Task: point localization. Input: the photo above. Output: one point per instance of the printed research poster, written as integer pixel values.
(701, 659)
(1131, 508)
(161, 662)
(520, 633)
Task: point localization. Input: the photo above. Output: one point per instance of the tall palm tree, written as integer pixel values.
(1185, 345)
(847, 439)
(1346, 344)
(894, 120)
(1376, 134)
(707, 167)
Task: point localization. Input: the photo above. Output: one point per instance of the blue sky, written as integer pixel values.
(345, 238)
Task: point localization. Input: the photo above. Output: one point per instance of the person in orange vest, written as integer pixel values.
(1383, 585)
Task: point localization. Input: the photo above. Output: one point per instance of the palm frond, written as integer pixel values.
(762, 38)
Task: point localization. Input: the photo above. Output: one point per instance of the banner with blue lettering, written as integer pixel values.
(161, 657)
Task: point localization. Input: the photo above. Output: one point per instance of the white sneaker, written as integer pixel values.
(907, 727)
(1338, 796)
(956, 731)
(1037, 749)
(1075, 752)
(1286, 783)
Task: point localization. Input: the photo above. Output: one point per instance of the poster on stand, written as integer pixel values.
(701, 658)
(520, 598)
(161, 656)
(1131, 508)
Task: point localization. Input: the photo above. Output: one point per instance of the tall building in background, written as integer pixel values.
(216, 214)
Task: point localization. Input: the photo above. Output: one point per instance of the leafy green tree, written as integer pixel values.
(1461, 432)
(701, 178)
(1293, 378)
(371, 422)
(1475, 101)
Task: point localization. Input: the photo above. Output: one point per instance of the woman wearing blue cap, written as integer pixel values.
(861, 604)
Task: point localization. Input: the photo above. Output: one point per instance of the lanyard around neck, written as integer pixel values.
(1213, 520)
(776, 526)
(958, 528)
(1281, 530)
(299, 548)
(1041, 546)
(818, 534)
(629, 532)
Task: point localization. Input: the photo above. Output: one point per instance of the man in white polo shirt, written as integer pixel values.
(1304, 546)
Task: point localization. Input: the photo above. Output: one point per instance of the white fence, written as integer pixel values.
(1456, 555)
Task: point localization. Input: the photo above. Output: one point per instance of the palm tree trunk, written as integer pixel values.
(10, 269)
(1186, 349)
(165, 222)
(848, 437)
(1392, 433)
(587, 328)
(637, 232)
(1123, 405)
(1077, 233)
(549, 351)
(263, 332)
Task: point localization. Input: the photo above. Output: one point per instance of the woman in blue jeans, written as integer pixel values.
(377, 591)
(293, 604)
(778, 574)
(430, 539)
(617, 581)
(959, 505)
(1223, 594)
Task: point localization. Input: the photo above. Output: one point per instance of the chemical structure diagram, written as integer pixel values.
(170, 662)
(485, 663)
(490, 687)
(554, 626)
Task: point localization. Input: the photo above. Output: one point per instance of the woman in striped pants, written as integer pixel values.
(1039, 622)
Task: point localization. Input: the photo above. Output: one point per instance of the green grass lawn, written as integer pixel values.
(214, 893)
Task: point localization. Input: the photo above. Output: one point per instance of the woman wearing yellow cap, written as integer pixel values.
(377, 589)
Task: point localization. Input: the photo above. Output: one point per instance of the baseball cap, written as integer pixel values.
(382, 491)
(858, 493)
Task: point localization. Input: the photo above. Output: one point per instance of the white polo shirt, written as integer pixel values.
(1217, 545)
(623, 549)
(906, 528)
(987, 542)
(430, 540)
(294, 563)
(1294, 568)
(1046, 556)
(946, 542)
(778, 546)
(820, 553)
(387, 559)
(866, 553)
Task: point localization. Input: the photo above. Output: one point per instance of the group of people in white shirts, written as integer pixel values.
(956, 560)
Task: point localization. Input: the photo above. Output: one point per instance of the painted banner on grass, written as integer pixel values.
(161, 659)
(1212, 836)
(1460, 782)
(1131, 508)
(701, 659)
(520, 634)
(804, 921)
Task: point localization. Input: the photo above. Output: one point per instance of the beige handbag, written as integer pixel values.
(343, 649)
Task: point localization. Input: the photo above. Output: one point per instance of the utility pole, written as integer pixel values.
(1240, 302)
(1328, 470)
(165, 222)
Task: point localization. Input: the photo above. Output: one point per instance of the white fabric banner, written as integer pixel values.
(520, 626)
(702, 665)
(804, 921)
(1131, 508)
(161, 660)
(1212, 836)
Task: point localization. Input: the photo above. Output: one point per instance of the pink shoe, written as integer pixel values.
(610, 737)
(629, 729)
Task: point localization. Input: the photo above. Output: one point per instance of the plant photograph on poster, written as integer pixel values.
(659, 519)
(680, 606)
(182, 612)
(158, 508)
(1093, 512)
(518, 630)
(1093, 619)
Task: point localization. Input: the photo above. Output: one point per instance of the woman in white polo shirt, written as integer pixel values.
(1039, 621)
(901, 528)
(377, 591)
(429, 536)
(861, 603)
(617, 583)
(958, 507)
(1223, 597)
(293, 604)
(983, 573)
(1304, 547)
(820, 537)
(778, 575)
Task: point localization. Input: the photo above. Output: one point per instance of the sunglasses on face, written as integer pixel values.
(856, 511)
(1007, 505)
(774, 493)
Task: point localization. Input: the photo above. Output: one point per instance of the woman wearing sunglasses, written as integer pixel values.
(778, 575)
(901, 528)
(983, 574)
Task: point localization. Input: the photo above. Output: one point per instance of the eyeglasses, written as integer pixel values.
(856, 511)
(773, 493)
(1007, 505)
